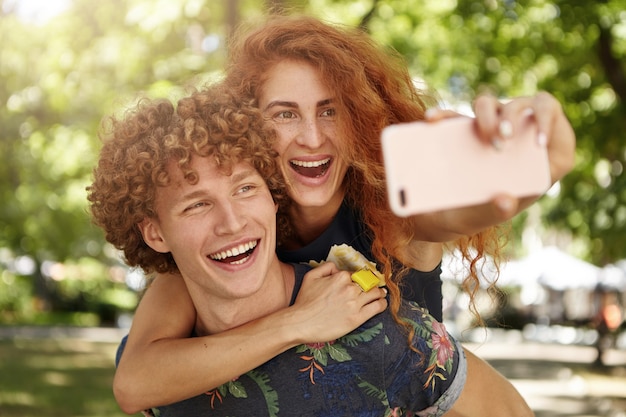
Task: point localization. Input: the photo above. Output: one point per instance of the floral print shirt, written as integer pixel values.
(369, 372)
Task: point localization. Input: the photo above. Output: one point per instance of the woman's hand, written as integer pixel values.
(496, 123)
(330, 304)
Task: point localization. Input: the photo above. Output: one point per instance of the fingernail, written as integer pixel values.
(542, 139)
(528, 111)
(497, 144)
(506, 129)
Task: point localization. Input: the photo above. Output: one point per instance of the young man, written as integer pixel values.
(196, 193)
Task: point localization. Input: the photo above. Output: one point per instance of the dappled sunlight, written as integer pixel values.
(56, 378)
(603, 99)
(62, 377)
(10, 397)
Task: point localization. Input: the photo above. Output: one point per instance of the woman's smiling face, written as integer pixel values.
(303, 112)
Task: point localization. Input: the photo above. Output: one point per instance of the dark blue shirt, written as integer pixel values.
(348, 227)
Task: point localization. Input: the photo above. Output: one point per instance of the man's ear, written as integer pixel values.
(152, 235)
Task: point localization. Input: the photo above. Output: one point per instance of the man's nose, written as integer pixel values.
(231, 220)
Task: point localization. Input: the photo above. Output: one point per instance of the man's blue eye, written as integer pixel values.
(196, 205)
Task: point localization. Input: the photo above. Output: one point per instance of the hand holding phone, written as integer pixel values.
(443, 165)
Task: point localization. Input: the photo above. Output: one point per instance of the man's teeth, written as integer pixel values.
(310, 164)
(238, 250)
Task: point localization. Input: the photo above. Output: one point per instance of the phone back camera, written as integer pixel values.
(402, 198)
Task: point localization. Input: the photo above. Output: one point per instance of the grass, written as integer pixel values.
(57, 378)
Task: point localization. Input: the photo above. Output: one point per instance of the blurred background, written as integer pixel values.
(66, 296)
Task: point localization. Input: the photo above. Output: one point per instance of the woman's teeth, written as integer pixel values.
(311, 169)
(310, 164)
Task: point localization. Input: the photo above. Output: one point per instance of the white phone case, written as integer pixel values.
(442, 165)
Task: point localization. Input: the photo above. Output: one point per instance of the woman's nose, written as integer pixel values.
(310, 135)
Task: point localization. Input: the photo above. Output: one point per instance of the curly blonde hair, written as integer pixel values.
(138, 148)
(373, 89)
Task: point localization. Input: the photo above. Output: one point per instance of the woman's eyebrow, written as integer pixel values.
(294, 105)
(325, 102)
(280, 103)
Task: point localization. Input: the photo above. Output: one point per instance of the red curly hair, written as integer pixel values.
(373, 89)
(138, 148)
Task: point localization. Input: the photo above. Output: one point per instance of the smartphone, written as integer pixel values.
(442, 165)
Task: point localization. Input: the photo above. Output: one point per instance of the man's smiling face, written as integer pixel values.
(221, 231)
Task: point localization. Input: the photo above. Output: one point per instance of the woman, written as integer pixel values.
(328, 92)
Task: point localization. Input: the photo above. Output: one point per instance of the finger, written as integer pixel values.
(544, 108)
(325, 269)
(374, 294)
(375, 307)
(487, 111)
(501, 207)
(547, 111)
(514, 114)
(504, 206)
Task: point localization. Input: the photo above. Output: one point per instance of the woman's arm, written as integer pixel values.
(555, 132)
(487, 393)
(161, 364)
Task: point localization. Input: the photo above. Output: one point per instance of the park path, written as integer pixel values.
(559, 380)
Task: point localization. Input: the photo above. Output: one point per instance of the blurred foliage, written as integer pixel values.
(61, 75)
(59, 78)
(82, 292)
